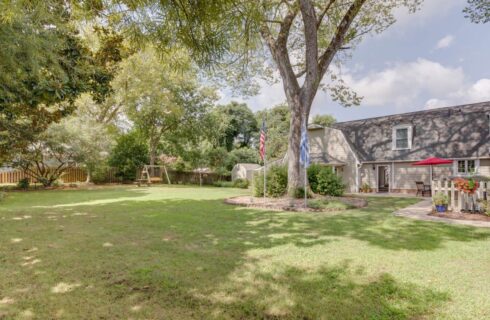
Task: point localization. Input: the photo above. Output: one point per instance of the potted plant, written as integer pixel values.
(440, 200)
(365, 188)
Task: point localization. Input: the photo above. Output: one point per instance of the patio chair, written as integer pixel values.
(423, 189)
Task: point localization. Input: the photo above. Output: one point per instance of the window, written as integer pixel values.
(466, 166)
(402, 137)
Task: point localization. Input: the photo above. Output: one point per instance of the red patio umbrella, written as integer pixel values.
(434, 161)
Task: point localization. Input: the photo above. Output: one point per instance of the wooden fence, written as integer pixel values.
(71, 175)
(459, 200)
(75, 175)
(186, 177)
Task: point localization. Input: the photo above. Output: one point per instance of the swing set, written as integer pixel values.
(153, 174)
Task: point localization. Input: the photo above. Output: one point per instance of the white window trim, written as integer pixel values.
(409, 133)
(466, 173)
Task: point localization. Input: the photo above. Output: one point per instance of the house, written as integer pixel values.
(380, 151)
(244, 171)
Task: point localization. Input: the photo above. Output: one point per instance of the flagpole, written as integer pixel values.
(265, 156)
(304, 165)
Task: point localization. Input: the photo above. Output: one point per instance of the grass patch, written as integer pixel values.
(325, 204)
(180, 253)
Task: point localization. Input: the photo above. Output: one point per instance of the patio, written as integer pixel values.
(421, 210)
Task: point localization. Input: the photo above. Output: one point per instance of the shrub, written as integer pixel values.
(23, 184)
(312, 174)
(485, 205)
(329, 183)
(240, 183)
(440, 199)
(100, 174)
(259, 185)
(129, 154)
(277, 182)
(2, 195)
(299, 193)
(223, 184)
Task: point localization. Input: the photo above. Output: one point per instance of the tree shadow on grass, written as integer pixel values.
(205, 269)
(334, 292)
(330, 293)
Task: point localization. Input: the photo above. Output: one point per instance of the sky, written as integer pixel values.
(432, 58)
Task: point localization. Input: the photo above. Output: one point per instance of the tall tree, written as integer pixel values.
(278, 120)
(239, 124)
(161, 95)
(44, 67)
(302, 37)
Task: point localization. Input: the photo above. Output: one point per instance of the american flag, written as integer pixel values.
(263, 136)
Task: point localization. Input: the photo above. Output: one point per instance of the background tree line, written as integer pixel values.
(78, 93)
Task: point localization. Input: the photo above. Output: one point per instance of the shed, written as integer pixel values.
(244, 171)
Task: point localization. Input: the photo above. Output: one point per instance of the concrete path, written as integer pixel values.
(421, 210)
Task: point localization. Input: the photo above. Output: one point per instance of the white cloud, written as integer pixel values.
(445, 42)
(471, 92)
(428, 10)
(404, 83)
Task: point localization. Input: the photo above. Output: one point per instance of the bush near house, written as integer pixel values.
(277, 181)
(299, 193)
(324, 181)
(312, 173)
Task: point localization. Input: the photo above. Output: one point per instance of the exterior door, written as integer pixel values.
(383, 179)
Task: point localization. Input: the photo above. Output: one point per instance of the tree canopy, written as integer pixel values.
(478, 11)
(237, 123)
(325, 120)
(44, 67)
(297, 39)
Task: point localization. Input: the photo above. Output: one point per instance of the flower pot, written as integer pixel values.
(441, 208)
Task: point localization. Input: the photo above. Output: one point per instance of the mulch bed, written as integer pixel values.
(287, 204)
(461, 216)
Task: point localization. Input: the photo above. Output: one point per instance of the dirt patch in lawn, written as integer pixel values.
(323, 204)
(461, 216)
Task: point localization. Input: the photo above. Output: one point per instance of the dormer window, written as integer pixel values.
(402, 137)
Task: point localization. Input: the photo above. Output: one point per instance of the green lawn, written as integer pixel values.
(180, 253)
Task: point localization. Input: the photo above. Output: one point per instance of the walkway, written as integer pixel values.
(420, 211)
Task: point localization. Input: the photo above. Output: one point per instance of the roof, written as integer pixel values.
(324, 158)
(452, 132)
(249, 166)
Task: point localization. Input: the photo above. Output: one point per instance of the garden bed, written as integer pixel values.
(461, 216)
(321, 204)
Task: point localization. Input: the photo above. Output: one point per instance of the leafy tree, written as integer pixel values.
(478, 11)
(129, 154)
(241, 155)
(325, 120)
(162, 100)
(90, 143)
(47, 157)
(44, 67)
(303, 38)
(278, 119)
(238, 123)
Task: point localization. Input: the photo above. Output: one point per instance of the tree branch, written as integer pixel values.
(338, 39)
(323, 13)
(311, 52)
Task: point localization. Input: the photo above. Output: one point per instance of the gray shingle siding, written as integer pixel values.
(453, 132)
